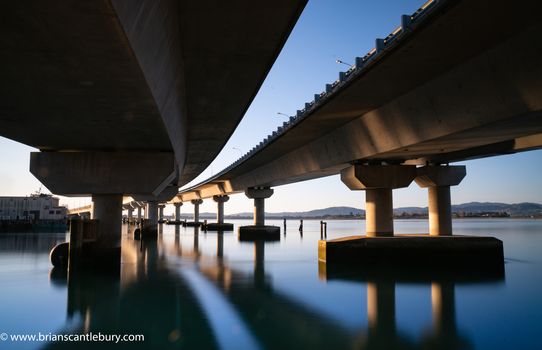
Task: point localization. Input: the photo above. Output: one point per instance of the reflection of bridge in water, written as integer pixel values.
(188, 292)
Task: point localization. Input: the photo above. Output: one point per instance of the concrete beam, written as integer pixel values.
(88, 173)
(190, 196)
(363, 177)
(431, 176)
(258, 192)
(167, 194)
(211, 190)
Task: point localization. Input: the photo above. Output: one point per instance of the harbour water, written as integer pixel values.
(198, 290)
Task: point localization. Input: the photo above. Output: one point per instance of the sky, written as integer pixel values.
(326, 31)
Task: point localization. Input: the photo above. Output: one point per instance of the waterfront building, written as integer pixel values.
(37, 207)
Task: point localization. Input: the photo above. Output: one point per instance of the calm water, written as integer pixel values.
(206, 291)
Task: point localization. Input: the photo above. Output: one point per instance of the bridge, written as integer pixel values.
(129, 205)
(456, 80)
(118, 96)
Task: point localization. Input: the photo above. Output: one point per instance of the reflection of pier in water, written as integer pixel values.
(382, 329)
(146, 298)
(274, 319)
(265, 309)
(176, 314)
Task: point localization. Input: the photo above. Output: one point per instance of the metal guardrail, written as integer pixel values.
(362, 64)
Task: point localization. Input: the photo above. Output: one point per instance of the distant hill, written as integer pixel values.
(517, 209)
(473, 208)
(410, 210)
(332, 211)
(514, 210)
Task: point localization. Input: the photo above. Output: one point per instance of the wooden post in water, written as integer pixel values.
(76, 243)
(321, 229)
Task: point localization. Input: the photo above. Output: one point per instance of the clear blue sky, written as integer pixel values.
(327, 30)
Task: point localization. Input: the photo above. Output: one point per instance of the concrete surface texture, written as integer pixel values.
(448, 90)
(136, 76)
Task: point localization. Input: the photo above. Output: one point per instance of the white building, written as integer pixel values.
(37, 207)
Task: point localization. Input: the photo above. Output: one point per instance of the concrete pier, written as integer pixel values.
(220, 225)
(178, 206)
(438, 180)
(379, 212)
(259, 231)
(220, 200)
(161, 213)
(413, 250)
(177, 218)
(381, 247)
(151, 225)
(196, 203)
(378, 181)
(107, 210)
(139, 217)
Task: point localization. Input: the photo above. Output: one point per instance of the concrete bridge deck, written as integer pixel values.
(140, 76)
(119, 96)
(458, 80)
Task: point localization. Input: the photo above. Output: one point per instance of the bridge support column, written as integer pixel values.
(106, 176)
(161, 213)
(220, 200)
(259, 231)
(379, 212)
(220, 225)
(107, 209)
(151, 226)
(381, 247)
(438, 180)
(378, 181)
(196, 203)
(178, 206)
(130, 215)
